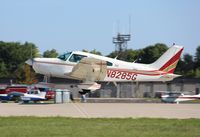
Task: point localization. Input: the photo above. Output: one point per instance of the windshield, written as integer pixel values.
(64, 56)
(173, 94)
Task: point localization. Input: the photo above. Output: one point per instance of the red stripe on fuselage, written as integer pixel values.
(182, 97)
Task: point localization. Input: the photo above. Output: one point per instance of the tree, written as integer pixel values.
(95, 52)
(127, 55)
(197, 63)
(152, 53)
(197, 73)
(146, 55)
(29, 75)
(12, 58)
(3, 70)
(50, 54)
(188, 67)
(197, 57)
(92, 51)
(180, 66)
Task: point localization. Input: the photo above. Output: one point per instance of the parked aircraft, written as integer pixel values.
(13, 92)
(176, 97)
(33, 95)
(90, 68)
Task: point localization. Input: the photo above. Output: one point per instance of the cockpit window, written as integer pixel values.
(174, 94)
(64, 56)
(76, 58)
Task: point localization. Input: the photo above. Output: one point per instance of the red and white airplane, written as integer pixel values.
(91, 68)
(176, 97)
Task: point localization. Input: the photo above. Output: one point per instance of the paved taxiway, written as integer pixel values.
(101, 110)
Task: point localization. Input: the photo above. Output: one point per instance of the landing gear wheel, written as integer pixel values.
(84, 91)
(83, 95)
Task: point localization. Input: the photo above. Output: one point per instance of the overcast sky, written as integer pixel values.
(90, 24)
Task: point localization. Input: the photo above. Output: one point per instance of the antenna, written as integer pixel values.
(118, 24)
(121, 39)
(129, 25)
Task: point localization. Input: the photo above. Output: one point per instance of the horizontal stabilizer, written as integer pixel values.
(169, 77)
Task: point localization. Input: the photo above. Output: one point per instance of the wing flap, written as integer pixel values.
(89, 69)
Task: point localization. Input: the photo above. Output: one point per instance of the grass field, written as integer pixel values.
(80, 127)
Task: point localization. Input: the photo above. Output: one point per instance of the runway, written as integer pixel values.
(103, 110)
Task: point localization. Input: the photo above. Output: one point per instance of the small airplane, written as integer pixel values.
(90, 68)
(13, 92)
(33, 95)
(176, 97)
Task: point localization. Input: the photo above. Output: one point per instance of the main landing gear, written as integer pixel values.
(83, 95)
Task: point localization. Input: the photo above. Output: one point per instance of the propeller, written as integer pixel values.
(30, 62)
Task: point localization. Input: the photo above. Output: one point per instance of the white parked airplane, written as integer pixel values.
(33, 95)
(91, 68)
(176, 97)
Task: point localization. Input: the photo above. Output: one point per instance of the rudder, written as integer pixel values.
(169, 60)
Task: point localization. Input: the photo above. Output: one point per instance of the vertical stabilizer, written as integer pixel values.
(169, 60)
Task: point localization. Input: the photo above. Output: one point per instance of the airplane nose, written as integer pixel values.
(29, 62)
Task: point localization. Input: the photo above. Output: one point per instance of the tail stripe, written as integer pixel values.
(171, 67)
(171, 64)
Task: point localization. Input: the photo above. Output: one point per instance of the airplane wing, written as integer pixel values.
(89, 69)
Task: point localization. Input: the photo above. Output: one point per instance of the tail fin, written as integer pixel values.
(168, 61)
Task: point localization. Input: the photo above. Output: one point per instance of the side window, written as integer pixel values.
(65, 56)
(76, 58)
(109, 63)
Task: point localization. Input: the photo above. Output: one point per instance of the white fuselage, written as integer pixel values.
(33, 95)
(117, 70)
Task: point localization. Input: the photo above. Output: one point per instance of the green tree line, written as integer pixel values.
(14, 54)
